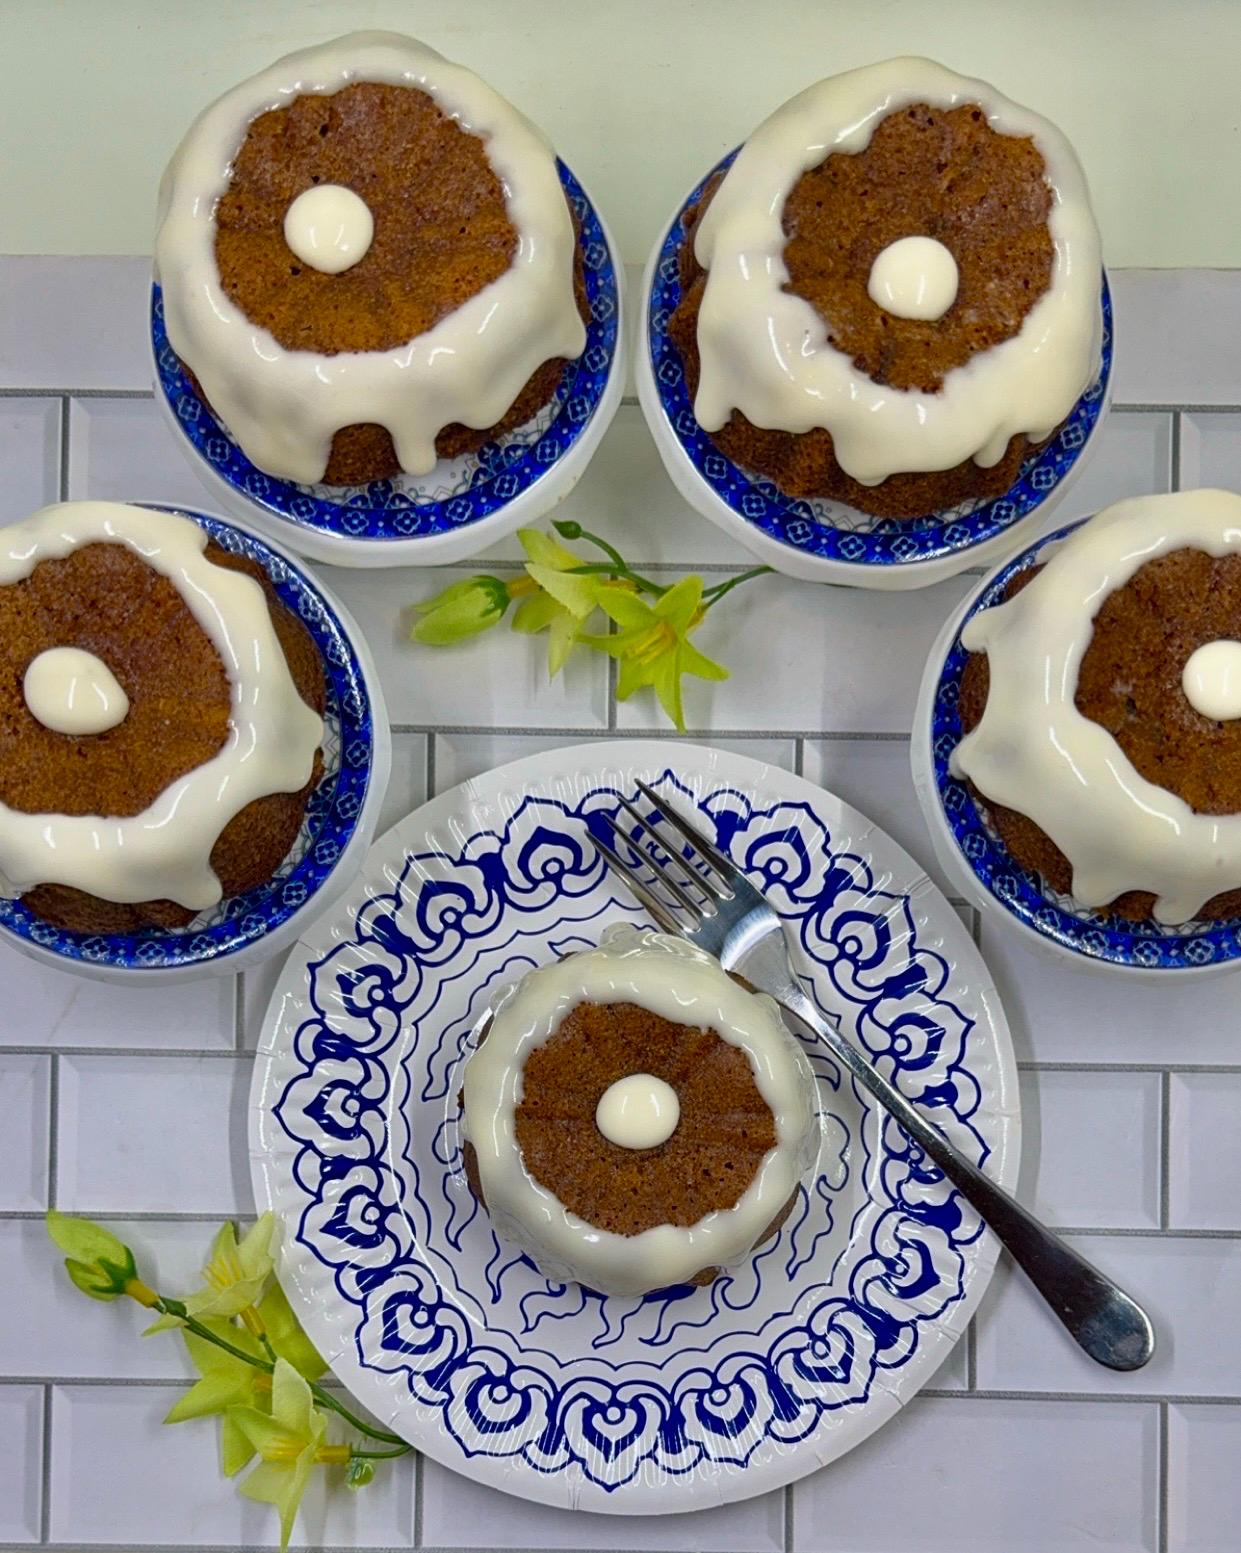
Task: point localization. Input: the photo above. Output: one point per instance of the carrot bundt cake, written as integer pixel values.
(160, 719)
(1102, 711)
(893, 294)
(368, 262)
(634, 1117)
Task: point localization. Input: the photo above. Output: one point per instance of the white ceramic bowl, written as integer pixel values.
(335, 838)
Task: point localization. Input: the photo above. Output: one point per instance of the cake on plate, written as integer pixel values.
(892, 296)
(1101, 708)
(368, 263)
(634, 1117)
(160, 719)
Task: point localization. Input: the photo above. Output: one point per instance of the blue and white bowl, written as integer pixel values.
(976, 860)
(336, 833)
(827, 541)
(464, 504)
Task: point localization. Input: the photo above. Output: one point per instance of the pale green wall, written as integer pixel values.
(639, 95)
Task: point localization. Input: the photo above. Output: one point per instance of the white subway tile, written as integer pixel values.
(808, 657)
(122, 450)
(457, 1512)
(498, 679)
(462, 756)
(29, 455)
(53, 1329)
(1058, 1013)
(1091, 1144)
(407, 787)
(159, 1137)
(1211, 450)
(24, 1094)
(1204, 1152)
(1131, 456)
(975, 1475)
(1175, 336)
(1204, 1486)
(74, 322)
(121, 1477)
(21, 1457)
(1191, 1290)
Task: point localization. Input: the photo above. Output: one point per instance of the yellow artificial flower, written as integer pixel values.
(99, 1264)
(653, 645)
(290, 1441)
(224, 1382)
(564, 601)
(236, 1274)
(463, 609)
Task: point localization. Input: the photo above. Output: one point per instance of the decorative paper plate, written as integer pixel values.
(464, 504)
(827, 541)
(689, 1396)
(972, 854)
(336, 832)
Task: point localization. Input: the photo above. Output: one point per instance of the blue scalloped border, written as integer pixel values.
(1136, 945)
(382, 511)
(332, 812)
(888, 541)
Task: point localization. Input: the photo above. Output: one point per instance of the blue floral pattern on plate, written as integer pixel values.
(449, 1332)
(830, 529)
(456, 494)
(331, 814)
(1098, 935)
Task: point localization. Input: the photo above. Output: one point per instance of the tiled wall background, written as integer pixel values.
(132, 1107)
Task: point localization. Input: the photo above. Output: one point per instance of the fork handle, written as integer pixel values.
(1100, 1317)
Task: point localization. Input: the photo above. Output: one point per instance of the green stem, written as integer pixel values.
(714, 595)
(379, 1455)
(611, 569)
(171, 1307)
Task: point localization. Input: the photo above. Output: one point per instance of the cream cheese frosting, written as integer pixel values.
(284, 407)
(1034, 752)
(678, 982)
(765, 351)
(164, 852)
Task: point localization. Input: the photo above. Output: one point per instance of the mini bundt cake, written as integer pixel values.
(1101, 709)
(634, 1117)
(368, 262)
(160, 719)
(893, 294)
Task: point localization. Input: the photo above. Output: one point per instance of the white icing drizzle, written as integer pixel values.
(70, 690)
(680, 983)
(639, 1111)
(914, 277)
(329, 227)
(1034, 752)
(1211, 680)
(164, 852)
(765, 351)
(284, 407)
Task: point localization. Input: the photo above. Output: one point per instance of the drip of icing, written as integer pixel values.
(72, 691)
(1034, 752)
(329, 227)
(164, 853)
(914, 277)
(680, 983)
(284, 407)
(639, 1111)
(1212, 680)
(765, 351)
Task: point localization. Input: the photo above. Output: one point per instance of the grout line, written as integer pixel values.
(53, 1130)
(62, 477)
(799, 756)
(239, 1013)
(613, 680)
(524, 730)
(45, 1479)
(77, 393)
(124, 1216)
(1165, 1150)
(1174, 473)
(1129, 1067)
(1161, 1483)
(126, 1051)
(418, 1491)
(971, 1357)
(430, 759)
(789, 1507)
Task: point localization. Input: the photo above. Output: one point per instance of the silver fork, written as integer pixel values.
(725, 915)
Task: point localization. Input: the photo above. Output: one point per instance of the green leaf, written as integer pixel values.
(285, 1333)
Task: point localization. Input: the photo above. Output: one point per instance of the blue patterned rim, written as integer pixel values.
(1136, 945)
(474, 487)
(869, 541)
(331, 815)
